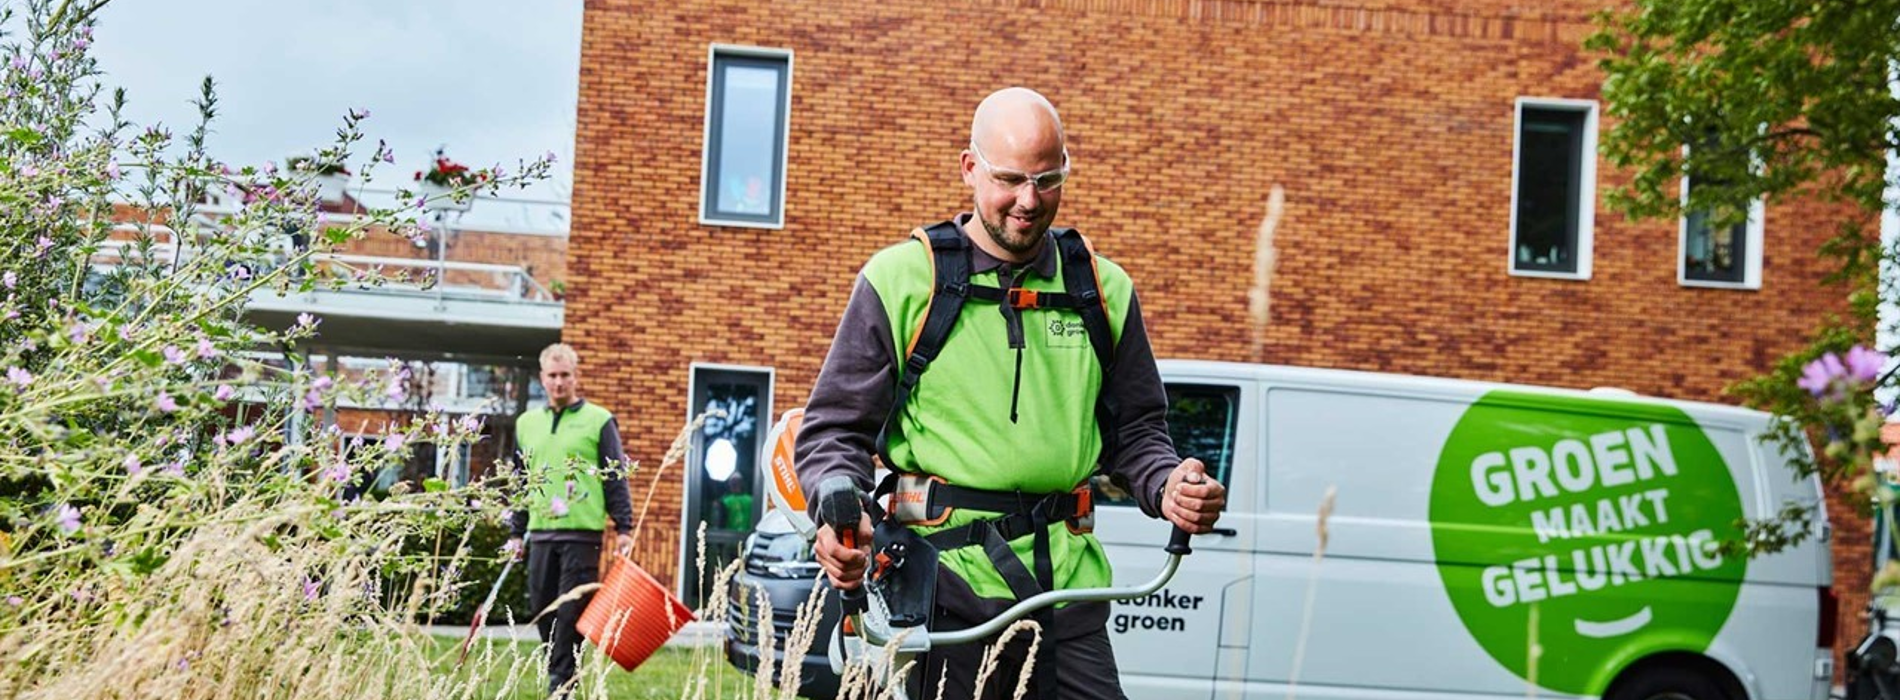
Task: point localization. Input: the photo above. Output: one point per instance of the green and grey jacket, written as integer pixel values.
(957, 424)
(575, 474)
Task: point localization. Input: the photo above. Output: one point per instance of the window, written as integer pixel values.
(494, 388)
(1553, 188)
(748, 110)
(1719, 256)
(1201, 422)
(722, 469)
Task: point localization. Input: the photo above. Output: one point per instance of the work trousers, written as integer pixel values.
(1085, 663)
(554, 568)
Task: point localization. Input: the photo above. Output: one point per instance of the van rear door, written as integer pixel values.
(1180, 641)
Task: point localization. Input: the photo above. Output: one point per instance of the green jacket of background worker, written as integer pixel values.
(574, 474)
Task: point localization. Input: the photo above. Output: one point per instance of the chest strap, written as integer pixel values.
(922, 500)
(1024, 298)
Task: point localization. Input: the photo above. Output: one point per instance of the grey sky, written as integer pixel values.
(493, 80)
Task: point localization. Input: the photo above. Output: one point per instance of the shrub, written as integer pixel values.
(477, 575)
(171, 522)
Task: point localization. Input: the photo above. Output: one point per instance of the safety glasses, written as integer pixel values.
(1012, 180)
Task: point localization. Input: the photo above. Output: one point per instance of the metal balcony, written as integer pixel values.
(476, 311)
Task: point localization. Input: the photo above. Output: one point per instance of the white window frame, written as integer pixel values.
(713, 52)
(1586, 186)
(1751, 247)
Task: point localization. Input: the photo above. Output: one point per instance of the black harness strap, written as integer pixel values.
(1021, 583)
(950, 257)
(1058, 506)
(1078, 273)
(989, 533)
(1046, 617)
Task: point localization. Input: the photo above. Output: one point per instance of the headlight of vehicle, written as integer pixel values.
(783, 556)
(793, 569)
(784, 548)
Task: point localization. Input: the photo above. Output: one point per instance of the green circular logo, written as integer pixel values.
(1588, 526)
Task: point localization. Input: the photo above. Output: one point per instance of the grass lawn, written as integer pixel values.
(667, 674)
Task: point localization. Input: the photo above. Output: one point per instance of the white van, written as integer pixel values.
(1487, 539)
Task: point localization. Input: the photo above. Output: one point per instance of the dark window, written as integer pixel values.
(1711, 253)
(1201, 422)
(722, 470)
(1550, 184)
(483, 381)
(745, 139)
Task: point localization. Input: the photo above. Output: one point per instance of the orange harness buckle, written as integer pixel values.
(1020, 298)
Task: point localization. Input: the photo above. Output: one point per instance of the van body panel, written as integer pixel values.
(1774, 641)
(1376, 612)
(1170, 645)
(1364, 611)
(1255, 690)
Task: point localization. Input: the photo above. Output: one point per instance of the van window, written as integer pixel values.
(1201, 422)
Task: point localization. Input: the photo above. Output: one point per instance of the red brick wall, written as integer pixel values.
(1853, 571)
(1389, 123)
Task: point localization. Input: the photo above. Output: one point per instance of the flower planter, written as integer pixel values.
(331, 188)
(437, 198)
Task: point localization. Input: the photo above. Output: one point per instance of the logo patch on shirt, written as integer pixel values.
(1066, 333)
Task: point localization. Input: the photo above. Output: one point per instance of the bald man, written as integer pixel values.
(998, 440)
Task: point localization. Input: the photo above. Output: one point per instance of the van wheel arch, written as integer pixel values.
(1676, 675)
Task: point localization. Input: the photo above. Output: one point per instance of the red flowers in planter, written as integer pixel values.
(448, 173)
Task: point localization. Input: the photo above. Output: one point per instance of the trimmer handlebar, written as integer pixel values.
(875, 633)
(841, 506)
(1178, 542)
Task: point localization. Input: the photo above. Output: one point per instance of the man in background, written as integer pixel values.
(575, 474)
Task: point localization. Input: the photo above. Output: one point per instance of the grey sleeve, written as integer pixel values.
(849, 401)
(1136, 397)
(613, 477)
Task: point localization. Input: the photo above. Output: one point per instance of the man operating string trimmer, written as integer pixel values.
(1048, 374)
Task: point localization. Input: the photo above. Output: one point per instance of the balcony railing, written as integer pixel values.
(451, 279)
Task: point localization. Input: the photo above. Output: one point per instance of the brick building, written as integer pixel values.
(1397, 128)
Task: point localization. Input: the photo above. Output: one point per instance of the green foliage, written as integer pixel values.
(1771, 96)
(172, 522)
(1764, 99)
(479, 564)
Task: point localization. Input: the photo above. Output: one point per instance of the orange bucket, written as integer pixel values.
(631, 615)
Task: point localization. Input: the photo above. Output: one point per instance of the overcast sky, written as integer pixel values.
(493, 80)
